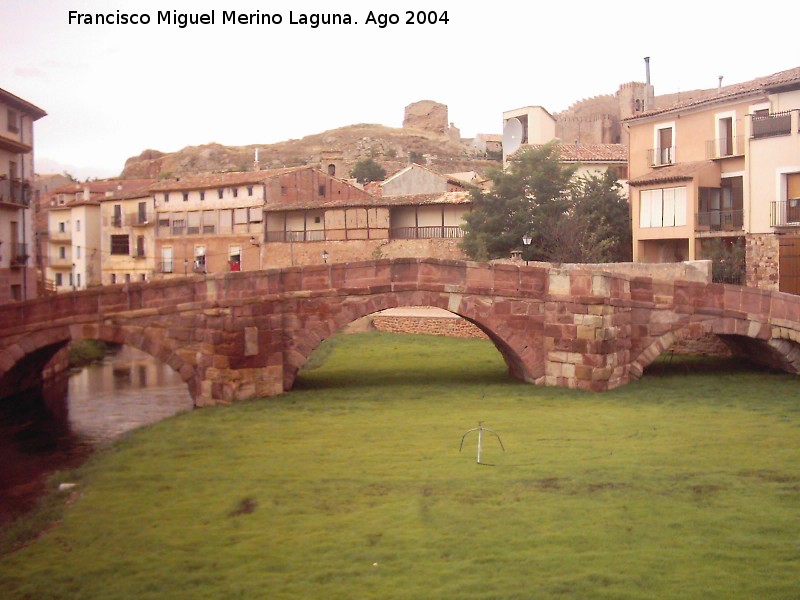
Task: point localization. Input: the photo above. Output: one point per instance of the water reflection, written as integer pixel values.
(127, 390)
(56, 429)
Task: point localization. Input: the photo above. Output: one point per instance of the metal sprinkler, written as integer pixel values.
(480, 429)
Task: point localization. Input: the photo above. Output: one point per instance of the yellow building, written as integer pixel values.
(128, 245)
(720, 167)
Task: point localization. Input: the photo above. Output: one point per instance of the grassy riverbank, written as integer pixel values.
(683, 485)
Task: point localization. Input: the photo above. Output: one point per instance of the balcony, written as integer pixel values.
(166, 266)
(115, 221)
(139, 254)
(139, 219)
(658, 157)
(721, 220)
(15, 192)
(296, 236)
(426, 233)
(60, 235)
(60, 262)
(19, 255)
(771, 125)
(785, 213)
(725, 147)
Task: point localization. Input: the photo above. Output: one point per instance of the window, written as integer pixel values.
(200, 259)
(62, 252)
(235, 258)
(140, 246)
(664, 145)
(249, 190)
(166, 260)
(317, 219)
(13, 121)
(256, 214)
(12, 169)
(202, 195)
(78, 225)
(117, 218)
(71, 280)
(127, 277)
(77, 251)
(113, 278)
(16, 292)
(62, 227)
(185, 196)
(178, 226)
(321, 190)
(793, 197)
(193, 222)
(142, 277)
(239, 216)
(78, 279)
(59, 280)
(166, 196)
(120, 244)
(662, 208)
(235, 192)
(219, 193)
(284, 190)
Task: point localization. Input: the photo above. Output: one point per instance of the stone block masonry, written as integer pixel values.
(243, 335)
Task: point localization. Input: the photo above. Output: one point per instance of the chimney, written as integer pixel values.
(256, 164)
(86, 193)
(647, 69)
(719, 85)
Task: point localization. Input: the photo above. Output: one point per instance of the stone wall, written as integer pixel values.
(690, 270)
(310, 253)
(443, 326)
(762, 260)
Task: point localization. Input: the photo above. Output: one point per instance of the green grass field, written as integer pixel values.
(683, 485)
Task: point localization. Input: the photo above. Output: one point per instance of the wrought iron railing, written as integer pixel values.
(19, 255)
(779, 123)
(14, 191)
(784, 213)
(139, 219)
(724, 147)
(720, 220)
(426, 233)
(661, 156)
(166, 266)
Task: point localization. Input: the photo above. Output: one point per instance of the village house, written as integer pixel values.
(724, 167)
(75, 232)
(416, 212)
(127, 246)
(17, 269)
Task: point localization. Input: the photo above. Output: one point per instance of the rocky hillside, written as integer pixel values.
(390, 147)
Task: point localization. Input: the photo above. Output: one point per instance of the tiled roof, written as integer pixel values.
(760, 85)
(102, 186)
(215, 180)
(449, 178)
(590, 152)
(23, 105)
(677, 172)
(375, 202)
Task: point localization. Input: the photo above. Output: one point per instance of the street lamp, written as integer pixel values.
(325, 256)
(526, 241)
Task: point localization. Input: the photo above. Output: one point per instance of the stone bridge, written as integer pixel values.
(241, 335)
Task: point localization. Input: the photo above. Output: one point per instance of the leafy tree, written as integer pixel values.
(569, 220)
(530, 193)
(368, 170)
(727, 260)
(415, 157)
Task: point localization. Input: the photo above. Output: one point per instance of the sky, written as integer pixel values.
(112, 91)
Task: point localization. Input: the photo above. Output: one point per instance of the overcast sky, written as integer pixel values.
(111, 91)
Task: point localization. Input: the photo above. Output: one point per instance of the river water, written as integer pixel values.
(43, 433)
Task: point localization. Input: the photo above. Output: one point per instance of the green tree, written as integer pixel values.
(531, 193)
(569, 219)
(368, 170)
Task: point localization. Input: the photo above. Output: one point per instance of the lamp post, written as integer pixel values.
(526, 241)
(325, 256)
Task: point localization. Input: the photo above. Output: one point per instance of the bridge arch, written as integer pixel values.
(23, 363)
(523, 356)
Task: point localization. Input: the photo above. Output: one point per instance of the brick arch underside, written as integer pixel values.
(745, 339)
(30, 355)
(522, 351)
